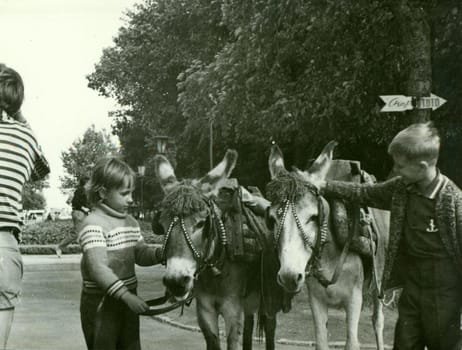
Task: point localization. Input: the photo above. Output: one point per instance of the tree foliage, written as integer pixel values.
(32, 196)
(300, 72)
(82, 155)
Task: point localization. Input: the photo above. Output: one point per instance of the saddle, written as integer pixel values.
(244, 243)
(250, 241)
(343, 214)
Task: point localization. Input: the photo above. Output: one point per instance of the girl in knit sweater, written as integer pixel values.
(112, 244)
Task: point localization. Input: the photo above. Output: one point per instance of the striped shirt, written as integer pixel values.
(21, 159)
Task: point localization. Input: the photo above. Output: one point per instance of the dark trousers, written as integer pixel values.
(429, 308)
(109, 326)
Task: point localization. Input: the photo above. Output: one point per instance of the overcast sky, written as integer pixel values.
(54, 44)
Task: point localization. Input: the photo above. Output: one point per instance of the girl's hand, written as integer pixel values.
(135, 303)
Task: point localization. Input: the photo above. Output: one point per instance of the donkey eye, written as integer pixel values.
(312, 219)
(200, 224)
(270, 220)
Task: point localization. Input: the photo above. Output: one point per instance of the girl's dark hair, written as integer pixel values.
(11, 90)
(108, 173)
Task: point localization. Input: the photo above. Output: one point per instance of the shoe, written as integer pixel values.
(58, 251)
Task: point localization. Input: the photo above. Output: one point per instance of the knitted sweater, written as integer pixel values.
(112, 244)
(21, 159)
(393, 195)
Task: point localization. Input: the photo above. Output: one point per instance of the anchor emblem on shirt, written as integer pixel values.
(431, 226)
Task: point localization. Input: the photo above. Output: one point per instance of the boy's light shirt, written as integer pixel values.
(432, 189)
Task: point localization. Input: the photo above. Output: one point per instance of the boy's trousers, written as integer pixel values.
(429, 306)
(111, 326)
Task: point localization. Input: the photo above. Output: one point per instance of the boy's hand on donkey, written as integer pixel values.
(256, 202)
(135, 303)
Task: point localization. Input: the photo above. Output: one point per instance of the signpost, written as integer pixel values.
(400, 103)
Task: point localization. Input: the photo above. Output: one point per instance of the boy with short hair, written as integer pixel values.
(424, 253)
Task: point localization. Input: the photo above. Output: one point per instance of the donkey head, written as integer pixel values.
(298, 214)
(185, 219)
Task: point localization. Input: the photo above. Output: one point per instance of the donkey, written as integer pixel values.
(195, 254)
(300, 218)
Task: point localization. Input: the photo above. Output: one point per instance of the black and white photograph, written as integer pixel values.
(230, 174)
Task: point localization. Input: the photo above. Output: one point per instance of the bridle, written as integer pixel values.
(208, 259)
(321, 237)
(316, 245)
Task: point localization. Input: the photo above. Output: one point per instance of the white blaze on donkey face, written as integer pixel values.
(185, 223)
(293, 252)
(297, 220)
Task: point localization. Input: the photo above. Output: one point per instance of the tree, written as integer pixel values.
(301, 72)
(160, 41)
(83, 154)
(32, 197)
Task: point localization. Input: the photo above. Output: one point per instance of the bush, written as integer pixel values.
(52, 232)
(47, 232)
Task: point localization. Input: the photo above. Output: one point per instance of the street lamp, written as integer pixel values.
(161, 143)
(214, 101)
(141, 171)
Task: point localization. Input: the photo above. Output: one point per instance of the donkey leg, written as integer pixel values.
(378, 321)
(248, 332)
(207, 318)
(319, 311)
(353, 313)
(270, 330)
(233, 311)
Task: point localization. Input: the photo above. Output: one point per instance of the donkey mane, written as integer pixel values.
(184, 199)
(288, 186)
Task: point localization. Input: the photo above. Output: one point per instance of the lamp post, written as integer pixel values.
(141, 171)
(214, 101)
(161, 143)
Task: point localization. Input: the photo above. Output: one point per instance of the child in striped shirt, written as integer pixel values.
(21, 160)
(112, 244)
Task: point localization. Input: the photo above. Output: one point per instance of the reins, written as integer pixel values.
(153, 311)
(338, 268)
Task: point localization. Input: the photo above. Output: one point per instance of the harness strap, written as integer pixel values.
(373, 228)
(346, 248)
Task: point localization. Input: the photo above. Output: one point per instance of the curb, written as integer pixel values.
(37, 262)
(49, 249)
(282, 341)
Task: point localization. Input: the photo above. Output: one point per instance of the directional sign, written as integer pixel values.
(396, 103)
(432, 102)
(400, 103)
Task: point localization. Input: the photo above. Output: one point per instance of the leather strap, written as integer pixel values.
(346, 248)
(153, 311)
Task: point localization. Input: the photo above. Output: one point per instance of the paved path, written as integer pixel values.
(48, 317)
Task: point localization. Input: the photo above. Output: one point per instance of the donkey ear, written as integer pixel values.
(165, 173)
(212, 182)
(276, 162)
(321, 165)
